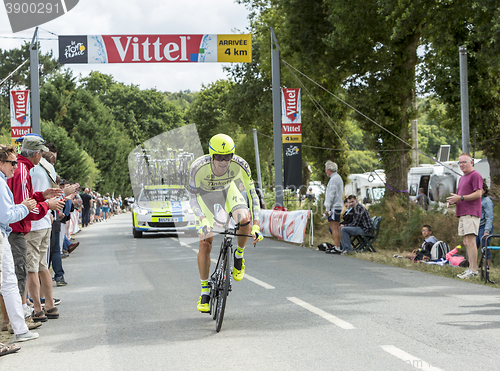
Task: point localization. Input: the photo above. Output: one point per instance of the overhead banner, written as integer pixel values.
(20, 113)
(291, 121)
(155, 48)
(287, 226)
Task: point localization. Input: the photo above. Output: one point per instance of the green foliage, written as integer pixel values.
(402, 223)
(209, 112)
(71, 162)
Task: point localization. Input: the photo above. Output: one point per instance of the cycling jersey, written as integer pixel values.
(206, 187)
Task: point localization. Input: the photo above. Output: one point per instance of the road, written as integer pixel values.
(130, 304)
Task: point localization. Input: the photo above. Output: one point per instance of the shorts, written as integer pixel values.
(335, 217)
(37, 243)
(468, 224)
(231, 199)
(2, 238)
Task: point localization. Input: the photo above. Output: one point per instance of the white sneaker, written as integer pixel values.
(467, 274)
(28, 311)
(24, 337)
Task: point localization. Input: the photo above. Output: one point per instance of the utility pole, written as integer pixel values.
(464, 99)
(35, 85)
(276, 81)
(257, 158)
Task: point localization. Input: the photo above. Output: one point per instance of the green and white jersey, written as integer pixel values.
(204, 184)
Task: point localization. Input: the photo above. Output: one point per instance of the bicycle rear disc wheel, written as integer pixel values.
(223, 291)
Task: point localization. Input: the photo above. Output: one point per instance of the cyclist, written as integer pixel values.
(212, 181)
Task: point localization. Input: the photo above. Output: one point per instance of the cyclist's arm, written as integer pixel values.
(253, 198)
(194, 189)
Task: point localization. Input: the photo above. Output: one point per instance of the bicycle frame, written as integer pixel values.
(221, 279)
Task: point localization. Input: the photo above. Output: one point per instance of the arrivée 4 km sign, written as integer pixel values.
(155, 48)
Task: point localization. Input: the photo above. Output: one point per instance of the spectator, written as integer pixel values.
(87, 205)
(333, 203)
(260, 195)
(348, 214)
(46, 169)
(243, 192)
(43, 176)
(361, 224)
(22, 188)
(468, 201)
(422, 199)
(12, 308)
(105, 207)
(425, 249)
(98, 207)
(456, 259)
(310, 194)
(486, 222)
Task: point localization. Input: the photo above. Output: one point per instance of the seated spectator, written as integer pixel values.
(425, 249)
(456, 259)
(422, 199)
(360, 224)
(486, 222)
(310, 194)
(348, 215)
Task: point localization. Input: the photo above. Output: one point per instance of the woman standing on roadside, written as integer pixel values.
(486, 222)
(11, 213)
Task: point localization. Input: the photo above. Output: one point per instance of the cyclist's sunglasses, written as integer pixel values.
(221, 158)
(13, 163)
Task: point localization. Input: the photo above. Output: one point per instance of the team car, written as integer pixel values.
(162, 208)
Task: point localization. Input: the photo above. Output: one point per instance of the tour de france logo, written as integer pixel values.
(24, 14)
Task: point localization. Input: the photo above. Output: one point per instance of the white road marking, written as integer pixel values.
(196, 251)
(408, 358)
(329, 317)
(175, 239)
(259, 282)
(185, 244)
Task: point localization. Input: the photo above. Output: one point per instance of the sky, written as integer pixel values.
(157, 17)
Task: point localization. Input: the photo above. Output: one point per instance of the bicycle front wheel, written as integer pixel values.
(223, 291)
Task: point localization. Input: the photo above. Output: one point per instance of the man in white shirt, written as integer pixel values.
(333, 203)
(43, 176)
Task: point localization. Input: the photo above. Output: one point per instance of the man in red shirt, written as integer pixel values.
(21, 188)
(468, 201)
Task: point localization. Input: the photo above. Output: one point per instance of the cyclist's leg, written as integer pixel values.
(241, 214)
(204, 250)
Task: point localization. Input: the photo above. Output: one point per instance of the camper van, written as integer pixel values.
(439, 180)
(367, 187)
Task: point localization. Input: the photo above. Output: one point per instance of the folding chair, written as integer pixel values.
(364, 242)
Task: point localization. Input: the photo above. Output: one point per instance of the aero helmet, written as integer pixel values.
(221, 144)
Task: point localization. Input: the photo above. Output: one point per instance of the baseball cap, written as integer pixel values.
(35, 143)
(20, 140)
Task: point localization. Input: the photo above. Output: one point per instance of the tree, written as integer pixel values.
(473, 24)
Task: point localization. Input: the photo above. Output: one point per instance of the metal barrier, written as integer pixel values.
(483, 264)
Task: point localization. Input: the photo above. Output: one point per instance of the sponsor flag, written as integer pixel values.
(155, 48)
(20, 113)
(291, 119)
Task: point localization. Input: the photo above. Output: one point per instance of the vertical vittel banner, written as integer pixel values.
(291, 121)
(20, 113)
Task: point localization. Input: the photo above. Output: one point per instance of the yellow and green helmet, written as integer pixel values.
(221, 144)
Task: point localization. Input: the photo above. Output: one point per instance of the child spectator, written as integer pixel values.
(455, 259)
(425, 249)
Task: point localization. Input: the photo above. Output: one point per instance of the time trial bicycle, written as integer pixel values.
(220, 280)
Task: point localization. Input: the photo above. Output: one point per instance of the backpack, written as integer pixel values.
(439, 250)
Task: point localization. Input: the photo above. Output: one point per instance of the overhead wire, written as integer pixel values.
(368, 118)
